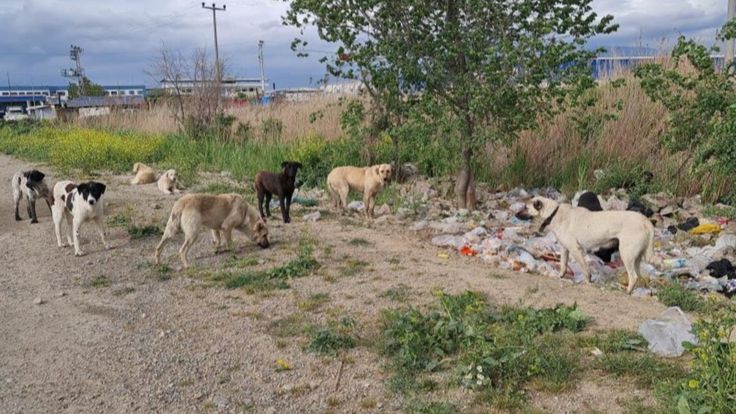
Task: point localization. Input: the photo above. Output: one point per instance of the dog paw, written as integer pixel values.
(18, 218)
(34, 221)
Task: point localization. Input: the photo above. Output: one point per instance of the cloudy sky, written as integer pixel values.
(121, 39)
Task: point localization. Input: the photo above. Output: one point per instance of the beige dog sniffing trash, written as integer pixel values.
(219, 213)
(367, 180)
(579, 230)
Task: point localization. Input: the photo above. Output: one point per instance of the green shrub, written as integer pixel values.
(711, 385)
(673, 294)
(271, 129)
(331, 339)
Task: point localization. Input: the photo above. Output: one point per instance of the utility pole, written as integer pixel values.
(260, 62)
(730, 43)
(8, 75)
(215, 9)
(75, 54)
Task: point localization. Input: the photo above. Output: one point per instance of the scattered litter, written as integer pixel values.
(467, 251)
(667, 332)
(596, 352)
(443, 255)
(356, 205)
(726, 241)
(640, 208)
(312, 216)
(707, 228)
(689, 224)
(720, 268)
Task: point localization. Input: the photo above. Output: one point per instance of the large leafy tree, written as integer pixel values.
(90, 89)
(486, 68)
(701, 99)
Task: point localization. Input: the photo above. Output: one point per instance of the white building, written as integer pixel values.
(232, 87)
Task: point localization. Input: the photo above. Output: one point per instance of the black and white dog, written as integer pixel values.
(31, 186)
(78, 204)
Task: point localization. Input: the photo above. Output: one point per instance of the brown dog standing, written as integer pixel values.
(282, 185)
(367, 180)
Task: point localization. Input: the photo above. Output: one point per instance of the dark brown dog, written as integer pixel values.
(282, 185)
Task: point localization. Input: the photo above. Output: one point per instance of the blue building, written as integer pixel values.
(26, 96)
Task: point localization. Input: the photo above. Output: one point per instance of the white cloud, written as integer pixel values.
(122, 38)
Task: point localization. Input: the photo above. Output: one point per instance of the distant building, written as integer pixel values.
(231, 87)
(27, 97)
(102, 105)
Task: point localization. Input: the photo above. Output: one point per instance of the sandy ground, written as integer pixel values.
(143, 344)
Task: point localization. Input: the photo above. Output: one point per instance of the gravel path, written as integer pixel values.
(112, 336)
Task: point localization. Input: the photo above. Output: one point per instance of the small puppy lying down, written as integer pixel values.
(579, 230)
(366, 180)
(167, 182)
(143, 174)
(78, 204)
(219, 213)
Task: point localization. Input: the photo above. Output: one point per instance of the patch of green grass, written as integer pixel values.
(100, 282)
(645, 369)
(615, 341)
(397, 294)
(359, 241)
(720, 211)
(672, 294)
(275, 278)
(141, 232)
(119, 220)
(123, 292)
(289, 326)
(235, 261)
(496, 352)
(353, 267)
(313, 302)
(331, 339)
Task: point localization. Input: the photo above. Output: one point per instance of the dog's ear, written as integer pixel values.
(377, 169)
(35, 175)
(284, 164)
(538, 205)
(102, 188)
(81, 188)
(136, 167)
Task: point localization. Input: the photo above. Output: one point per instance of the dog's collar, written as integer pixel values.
(548, 220)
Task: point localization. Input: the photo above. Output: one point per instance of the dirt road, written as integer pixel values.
(112, 336)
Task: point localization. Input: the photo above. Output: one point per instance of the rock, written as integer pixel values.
(221, 402)
(408, 170)
(667, 332)
(356, 205)
(38, 301)
(313, 217)
(402, 213)
(226, 174)
(383, 210)
(61, 294)
(419, 225)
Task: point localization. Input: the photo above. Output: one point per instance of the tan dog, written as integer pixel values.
(579, 230)
(220, 213)
(167, 182)
(143, 174)
(366, 180)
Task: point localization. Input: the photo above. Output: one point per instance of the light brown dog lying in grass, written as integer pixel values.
(143, 174)
(220, 213)
(366, 180)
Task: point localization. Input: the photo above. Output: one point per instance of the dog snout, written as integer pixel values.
(91, 202)
(523, 215)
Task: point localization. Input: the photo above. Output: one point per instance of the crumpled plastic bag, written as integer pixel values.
(448, 240)
(667, 332)
(726, 241)
(356, 205)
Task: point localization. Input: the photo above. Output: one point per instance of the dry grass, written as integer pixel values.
(318, 116)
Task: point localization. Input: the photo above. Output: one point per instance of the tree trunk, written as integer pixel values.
(465, 183)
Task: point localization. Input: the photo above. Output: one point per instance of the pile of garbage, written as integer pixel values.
(690, 249)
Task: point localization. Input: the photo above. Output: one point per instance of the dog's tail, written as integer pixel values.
(649, 253)
(172, 226)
